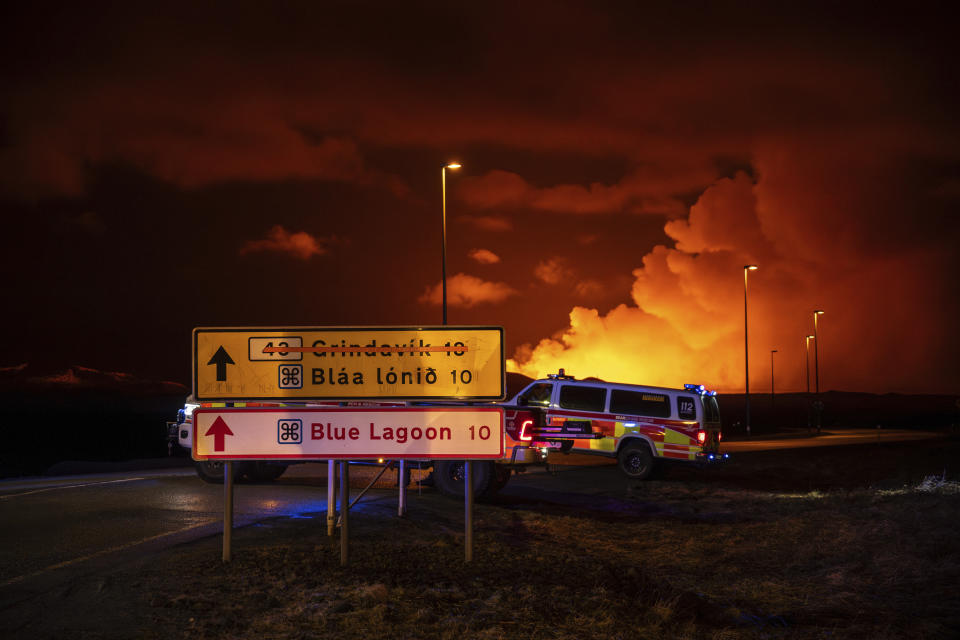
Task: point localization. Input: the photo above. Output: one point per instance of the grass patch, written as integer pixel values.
(683, 557)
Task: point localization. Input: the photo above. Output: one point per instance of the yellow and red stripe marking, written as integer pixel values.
(674, 439)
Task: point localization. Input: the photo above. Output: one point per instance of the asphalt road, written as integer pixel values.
(52, 524)
(801, 439)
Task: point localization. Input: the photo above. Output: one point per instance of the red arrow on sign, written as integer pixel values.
(218, 430)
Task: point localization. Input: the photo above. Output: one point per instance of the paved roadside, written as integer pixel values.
(801, 440)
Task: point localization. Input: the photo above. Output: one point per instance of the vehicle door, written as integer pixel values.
(578, 411)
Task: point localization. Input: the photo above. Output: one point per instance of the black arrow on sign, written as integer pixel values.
(221, 358)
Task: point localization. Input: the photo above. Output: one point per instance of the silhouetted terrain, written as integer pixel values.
(81, 414)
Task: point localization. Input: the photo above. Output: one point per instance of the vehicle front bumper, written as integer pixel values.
(705, 457)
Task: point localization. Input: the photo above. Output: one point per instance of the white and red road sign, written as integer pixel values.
(277, 433)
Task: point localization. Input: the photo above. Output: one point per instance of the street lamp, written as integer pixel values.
(443, 186)
(746, 352)
(816, 349)
(772, 351)
(807, 340)
(816, 365)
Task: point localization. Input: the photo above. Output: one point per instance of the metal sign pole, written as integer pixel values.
(468, 516)
(227, 508)
(344, 509)
(402, 482)
(331, 497)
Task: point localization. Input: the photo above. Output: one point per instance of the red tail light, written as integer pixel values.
(701, 436)
(719, 436)
(523, 430)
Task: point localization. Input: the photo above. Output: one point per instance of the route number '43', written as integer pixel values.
(264, 348)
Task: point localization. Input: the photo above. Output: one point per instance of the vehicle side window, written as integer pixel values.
(536, 396)
(640, 403)
(686, 408)
(582, 398)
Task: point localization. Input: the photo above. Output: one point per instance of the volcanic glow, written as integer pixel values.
(686, 322)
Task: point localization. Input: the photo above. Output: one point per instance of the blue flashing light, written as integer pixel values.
(699, 388)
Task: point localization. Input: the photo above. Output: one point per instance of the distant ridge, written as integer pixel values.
(76, 377)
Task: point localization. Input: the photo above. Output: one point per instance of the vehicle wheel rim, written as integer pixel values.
(457, 472)
(635, 463)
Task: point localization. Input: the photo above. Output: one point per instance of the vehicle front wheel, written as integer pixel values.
(636, 460)
(449, 477)
(212, 471)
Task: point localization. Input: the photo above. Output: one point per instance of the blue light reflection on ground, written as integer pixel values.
(305, 509)
(318, 508)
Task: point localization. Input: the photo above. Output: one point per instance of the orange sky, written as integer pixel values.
(168, 168)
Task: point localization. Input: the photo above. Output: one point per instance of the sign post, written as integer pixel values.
(344, 510)
(402, 493)
(331, 497)
(421, 363)
(227, 509)
(468, 511)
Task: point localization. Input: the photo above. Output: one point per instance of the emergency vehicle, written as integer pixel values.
(489, 476)
(639, 425)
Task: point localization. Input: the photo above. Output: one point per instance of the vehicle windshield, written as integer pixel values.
(711, 410)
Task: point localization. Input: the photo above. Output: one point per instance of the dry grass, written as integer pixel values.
(675, 558)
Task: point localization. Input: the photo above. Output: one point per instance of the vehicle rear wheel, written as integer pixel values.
(636, 460)
(449, 477)
(212, 471)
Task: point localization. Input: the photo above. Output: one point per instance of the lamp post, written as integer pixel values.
(807, 340)
(746, 351)
(816, 349)
(443, 186)
(816, 364)
(772, 394)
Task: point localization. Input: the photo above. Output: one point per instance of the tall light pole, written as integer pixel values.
(443, 187)
(746, 351)
(816, 349)
(807, 340)
(772, 394)
(816, 366)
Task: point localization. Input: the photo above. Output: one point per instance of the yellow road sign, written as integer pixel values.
(290, 363)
